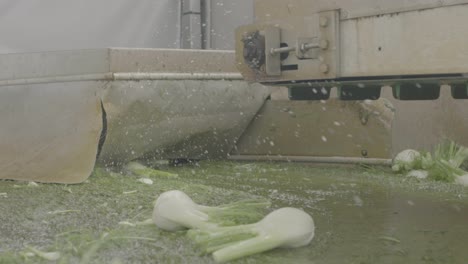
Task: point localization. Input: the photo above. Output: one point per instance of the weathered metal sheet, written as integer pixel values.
(159, 103)
(330, 128)
(49, 132)
(388, 38)
(269, 10)
(424, 124)
(171, 60)
(32, 65)
(177, 119)
(420, 42)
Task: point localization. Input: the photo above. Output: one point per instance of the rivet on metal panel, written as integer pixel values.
(344, 14)
(323, 21)
(324, 68)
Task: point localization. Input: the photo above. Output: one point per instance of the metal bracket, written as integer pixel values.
(322, 50)
(272, 58)
(316, 49)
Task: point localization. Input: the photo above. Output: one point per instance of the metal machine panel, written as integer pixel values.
(413, 46)
(49, 132)
(320, 129)
(269, 10)
(171, 60)
(168, 103)
(410, 43)
(169, 119)
(16, 66)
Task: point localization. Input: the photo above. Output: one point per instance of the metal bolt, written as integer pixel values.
(323, 21)
(307, 46)
(324, 68)
(274, 51)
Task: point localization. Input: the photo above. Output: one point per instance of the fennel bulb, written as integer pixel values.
(174, 210)
(286, 227)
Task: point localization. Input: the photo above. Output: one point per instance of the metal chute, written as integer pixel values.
(58, 107)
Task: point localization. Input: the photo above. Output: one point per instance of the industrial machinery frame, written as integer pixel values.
(357, 47)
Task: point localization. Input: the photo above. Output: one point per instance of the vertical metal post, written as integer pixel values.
(191, 29)
(179, 19)
(206, 23)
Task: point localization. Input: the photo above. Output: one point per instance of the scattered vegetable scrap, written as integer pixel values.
(445, 163)
(141, 170)
(145, 181)
(32, 184)
(50, 256)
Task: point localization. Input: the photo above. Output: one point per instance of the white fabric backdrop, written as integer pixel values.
(44, 25)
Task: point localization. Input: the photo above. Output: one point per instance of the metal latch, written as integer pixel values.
(305, 48)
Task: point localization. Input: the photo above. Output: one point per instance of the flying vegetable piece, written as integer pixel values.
(174, 210)
(285, 228)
